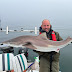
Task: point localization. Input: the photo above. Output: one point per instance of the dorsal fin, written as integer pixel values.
(43, 35)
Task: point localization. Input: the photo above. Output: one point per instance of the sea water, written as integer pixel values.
(65, 53)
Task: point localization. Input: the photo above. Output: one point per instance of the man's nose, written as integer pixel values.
(46, 26)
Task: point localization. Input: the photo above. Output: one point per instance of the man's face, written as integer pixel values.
(46, 25)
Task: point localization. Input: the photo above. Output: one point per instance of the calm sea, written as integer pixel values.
(65, 53)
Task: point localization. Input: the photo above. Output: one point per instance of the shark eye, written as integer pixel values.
(71, 42)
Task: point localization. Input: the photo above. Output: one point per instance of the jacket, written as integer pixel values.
(47, 54)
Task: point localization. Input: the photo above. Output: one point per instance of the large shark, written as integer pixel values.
(39, 43)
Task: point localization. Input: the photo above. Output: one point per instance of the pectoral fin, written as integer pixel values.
(29, 45)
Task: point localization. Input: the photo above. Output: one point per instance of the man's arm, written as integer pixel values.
(58, 37)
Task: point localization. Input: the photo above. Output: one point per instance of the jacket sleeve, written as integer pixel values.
(40, 53)
(58, 37)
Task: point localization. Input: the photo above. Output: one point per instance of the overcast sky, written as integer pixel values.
(16, 13)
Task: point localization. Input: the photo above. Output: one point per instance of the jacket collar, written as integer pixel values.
(41, 30)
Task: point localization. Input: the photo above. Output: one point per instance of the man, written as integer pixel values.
(49, 61)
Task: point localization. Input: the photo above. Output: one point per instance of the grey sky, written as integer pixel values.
(31, 12)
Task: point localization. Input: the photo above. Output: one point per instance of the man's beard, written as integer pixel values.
(47, 29)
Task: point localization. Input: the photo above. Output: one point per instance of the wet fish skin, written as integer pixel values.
(39, 43)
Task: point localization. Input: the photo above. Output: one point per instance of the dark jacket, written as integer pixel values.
(47, 54)
(49, 34)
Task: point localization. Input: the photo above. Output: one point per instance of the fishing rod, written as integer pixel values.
(28, 67)
(36, 59)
